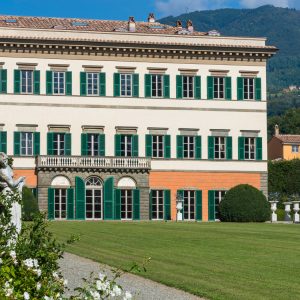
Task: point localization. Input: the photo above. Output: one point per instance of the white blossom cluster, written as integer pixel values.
(32, 264)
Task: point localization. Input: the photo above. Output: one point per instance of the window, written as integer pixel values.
(220, 147)
(93, 198)
(188, 147)
(93, 144)
(126, 145)
(92, 84)
(188, 86)
(126, 204)
(58, 144)
(26, 143)
(157, 205)
(126, 85)
(189, 205)
(250, 148)
(26, 82)
(157, 86)
(295, 148)
(158, 146)
(59, 83)
(249, 88)
(219, 196)
(219, 87)
(60, 203)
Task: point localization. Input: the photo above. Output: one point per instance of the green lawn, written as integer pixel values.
(214, 260)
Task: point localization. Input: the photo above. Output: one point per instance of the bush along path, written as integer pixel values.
(74, 268)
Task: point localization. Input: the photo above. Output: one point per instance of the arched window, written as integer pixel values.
(93, 198)
(126, 186)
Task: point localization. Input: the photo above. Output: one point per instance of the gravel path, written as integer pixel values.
(74, 268)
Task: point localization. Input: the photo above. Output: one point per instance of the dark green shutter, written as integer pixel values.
(68, 83)
(241, 148)
(79, 198)
(3, 85)
(3, 141)
(258, 89)
(68, 144)
(166, 86)
(101, 144)
(211, 206)
(211, 147)
(229, 147)
(150, 204)
(36, 139)
(179, 92)
(36, 80)
(228, 88)
(102, 84)
(258, 148)
(181, 193)
(50, 136)
(148, 145)
(210, 87)
(108, 200)
(136, 204)
(135, 145)
(240, 88)
(50, 203)
(84, 147)
(197, 87)
(83, 84)
(167, 205)
(49, 82)
(148, 86)
(199, 205)
(179, 146)
(117, 85)
(117, 204)
(198, 145)
(17, 81)
(135, 85)
(117, 145)
(70, 209)
(167, 146)
(17, 143)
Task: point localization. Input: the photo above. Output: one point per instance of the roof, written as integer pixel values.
(288, 138)
(88, 25)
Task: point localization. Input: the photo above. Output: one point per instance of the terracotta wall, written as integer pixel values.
(204, 181)
(31, 178)
(275, 148)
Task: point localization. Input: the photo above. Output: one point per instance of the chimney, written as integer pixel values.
(276, 130)
(189, 26)
(131, 24)
(179, 24)
(151, 18)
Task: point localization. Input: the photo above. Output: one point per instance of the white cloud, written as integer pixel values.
(177, 7)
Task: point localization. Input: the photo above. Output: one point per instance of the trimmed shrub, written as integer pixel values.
(30, 205)
(244, 203)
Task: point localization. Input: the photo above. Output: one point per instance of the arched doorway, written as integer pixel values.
(93, 198)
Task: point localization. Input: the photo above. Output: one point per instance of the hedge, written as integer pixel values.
(30, 205)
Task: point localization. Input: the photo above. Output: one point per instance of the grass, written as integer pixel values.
(213, 260)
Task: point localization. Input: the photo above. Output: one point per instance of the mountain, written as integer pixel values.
(280, 25)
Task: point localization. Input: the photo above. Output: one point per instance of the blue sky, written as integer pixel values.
(121, 9)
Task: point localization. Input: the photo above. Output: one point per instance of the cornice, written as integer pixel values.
(137, 49)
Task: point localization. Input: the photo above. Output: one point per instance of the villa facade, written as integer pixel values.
(112, 120)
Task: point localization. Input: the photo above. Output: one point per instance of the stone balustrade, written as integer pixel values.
(93, 162)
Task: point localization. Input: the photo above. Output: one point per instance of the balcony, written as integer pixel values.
(93, 163)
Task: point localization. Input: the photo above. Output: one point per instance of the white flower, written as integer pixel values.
(6, 284)
(95, 295)
(65, 282)
(101, 276)
(127, 296)
(26, 296)
(8, 292)
(38, 286)
(28, 263)
(116, 291)
(1, 261)
(100, 285)
(35, 263)
(13, 255)
(55, 275)
(38, 272)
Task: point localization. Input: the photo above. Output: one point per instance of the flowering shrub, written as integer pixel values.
(29, 263)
